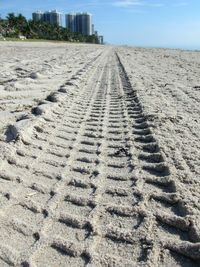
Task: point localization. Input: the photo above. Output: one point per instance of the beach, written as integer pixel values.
(100, 160)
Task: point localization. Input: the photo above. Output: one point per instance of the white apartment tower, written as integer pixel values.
(79, 22)
(37, 16)
(70, 22)
(53, 17)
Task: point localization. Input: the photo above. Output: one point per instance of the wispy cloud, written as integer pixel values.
(135, 3)
(128, 3)
(156, 4)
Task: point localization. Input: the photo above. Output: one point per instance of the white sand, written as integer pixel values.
(99, 156)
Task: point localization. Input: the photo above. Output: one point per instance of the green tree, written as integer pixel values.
(11, 19)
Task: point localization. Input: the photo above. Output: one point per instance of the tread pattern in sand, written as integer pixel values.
(93, 189)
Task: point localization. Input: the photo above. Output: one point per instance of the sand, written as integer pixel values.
(99, 156)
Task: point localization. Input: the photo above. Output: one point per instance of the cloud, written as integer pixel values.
(135, 3)
(156, 5)
(128, 3)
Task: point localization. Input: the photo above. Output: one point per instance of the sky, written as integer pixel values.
(147, 23)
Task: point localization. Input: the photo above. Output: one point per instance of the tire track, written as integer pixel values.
(49, 170)
(172, 226)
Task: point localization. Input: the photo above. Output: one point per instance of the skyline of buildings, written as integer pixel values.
(80, 22)
(53, 17)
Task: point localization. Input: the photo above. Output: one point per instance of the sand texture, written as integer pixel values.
(99, 151)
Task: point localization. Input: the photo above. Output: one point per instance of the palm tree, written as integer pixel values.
(11, 19)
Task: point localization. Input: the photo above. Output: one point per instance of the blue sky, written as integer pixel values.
(157, 23)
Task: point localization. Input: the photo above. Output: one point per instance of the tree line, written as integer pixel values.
(16, 25)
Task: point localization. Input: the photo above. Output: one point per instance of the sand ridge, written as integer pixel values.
(85, 177)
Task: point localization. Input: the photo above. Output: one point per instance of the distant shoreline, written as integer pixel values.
(131, 46)
(161, 47)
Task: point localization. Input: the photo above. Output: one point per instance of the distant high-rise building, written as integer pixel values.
(79, 22)
(46, 17)
(70, 22)
(93, 29)
(53, 17)
(37, 16)
(100, 38)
